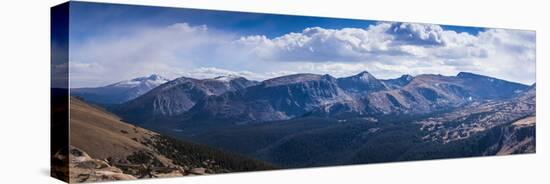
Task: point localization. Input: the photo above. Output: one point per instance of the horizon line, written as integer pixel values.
(262, 80)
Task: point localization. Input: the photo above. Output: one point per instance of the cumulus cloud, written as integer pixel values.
(496, 52)
(418, 33)
(319, 44)
(385, 49)
(355, 44)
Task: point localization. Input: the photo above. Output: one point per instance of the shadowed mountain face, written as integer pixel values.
(306, 120)
(361, 83)
(236, 100)
(178, 96)
(300, 95)
(398, 82)
(488, 87)
(275, 99)
(119, 92)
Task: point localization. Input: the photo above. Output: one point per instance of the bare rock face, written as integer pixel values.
(300, 95)
(83, 168)
(59, 162)
(363, 82)
(274, 99)
(178, 96)
(398, 82)
(519, 137)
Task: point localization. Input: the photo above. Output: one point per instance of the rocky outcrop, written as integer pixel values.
(519, 137)
(84, 168)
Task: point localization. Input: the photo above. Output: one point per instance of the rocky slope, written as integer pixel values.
(274, 99)
(178, 96)
(84, 168)
(299, 95)
(361, 83)
(398, 82)
(521, 137)
(478, 117)
(105, 148)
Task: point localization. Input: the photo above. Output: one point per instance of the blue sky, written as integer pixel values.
(93, 18)
(111, 42)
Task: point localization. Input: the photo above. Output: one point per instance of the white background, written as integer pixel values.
(24, 93)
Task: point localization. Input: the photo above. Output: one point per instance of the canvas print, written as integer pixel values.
(149, 92)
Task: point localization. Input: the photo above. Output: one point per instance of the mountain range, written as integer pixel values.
(481, 128)
(240, 101)
(304, 120)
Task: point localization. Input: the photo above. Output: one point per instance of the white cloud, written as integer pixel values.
(418, 33)
(319, 44)
(166, 51)
(507, 54)
(385, 49)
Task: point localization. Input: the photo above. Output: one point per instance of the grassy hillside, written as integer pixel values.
(135, 150)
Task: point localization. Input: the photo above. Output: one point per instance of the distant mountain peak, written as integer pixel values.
(227, 78)
(469, 75)
(153, 80)
(406, 77)
(295, 78)
(122, 91)
(364, 75)
(152, 77)
(156, 77)
(363, 72)
(361, 82)
(473, 76)
(398, 82)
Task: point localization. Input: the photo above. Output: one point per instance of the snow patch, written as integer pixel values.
(226, 78)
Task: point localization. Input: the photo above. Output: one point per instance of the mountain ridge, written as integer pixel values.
(195, 105)
(119, 92)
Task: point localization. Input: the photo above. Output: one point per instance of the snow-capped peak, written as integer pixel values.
(150, 81)
(365, 76)
(152, 77)
(156, 77)
(226, 78)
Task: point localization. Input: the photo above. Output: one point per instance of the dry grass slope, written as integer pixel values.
(139, 152)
